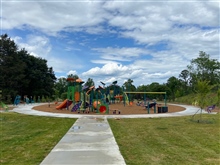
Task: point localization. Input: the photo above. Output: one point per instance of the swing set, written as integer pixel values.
(147, 105)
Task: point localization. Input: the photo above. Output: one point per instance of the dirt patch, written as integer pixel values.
(125, 110)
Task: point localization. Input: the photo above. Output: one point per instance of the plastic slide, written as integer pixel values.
(76, 107)
(120, 97)
(64, 104)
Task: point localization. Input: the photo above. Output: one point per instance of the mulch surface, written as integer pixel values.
(124, 110)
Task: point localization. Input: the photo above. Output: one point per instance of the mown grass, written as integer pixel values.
(169, 141)
(27, 139)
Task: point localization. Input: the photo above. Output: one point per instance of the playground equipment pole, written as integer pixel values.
(96, 96)
(123, 95)
(155, 109)
(129, 88)
(145, 98)
(91, 99)
(0, 95)
(38, 99)
(148, 108)
(165, 99)
(73, 91)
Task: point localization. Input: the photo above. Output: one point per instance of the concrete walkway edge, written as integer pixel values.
(89, 141)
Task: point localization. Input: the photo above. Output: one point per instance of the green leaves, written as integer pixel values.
(202, 89)
(22, 73)
(204, 68)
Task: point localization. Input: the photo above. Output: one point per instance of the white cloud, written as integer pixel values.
(71, 48)
(108, 69)
(103, 61)
(111, 72)
(73, 72)
(38, 46)
(52, 17)
(120, 54)
(110, 80)
(64, 65)
(185, 27)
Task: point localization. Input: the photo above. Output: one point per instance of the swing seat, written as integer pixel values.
(150, 105)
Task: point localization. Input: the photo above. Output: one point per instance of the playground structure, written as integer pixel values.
(4, 106)
(17, 100)
(146, 103)
(118, 95)
(90, 99)
(84, 99)
(111, 100)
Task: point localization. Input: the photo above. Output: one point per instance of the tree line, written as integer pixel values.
(203, 68)
(23, 74)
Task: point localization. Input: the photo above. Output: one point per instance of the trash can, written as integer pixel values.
(159, 109)
(164, 109)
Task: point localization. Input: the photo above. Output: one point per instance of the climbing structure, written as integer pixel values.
(73, 93)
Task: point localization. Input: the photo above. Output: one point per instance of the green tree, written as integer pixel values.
(128, 86)
(205, 69)
(39, 76)
(22, 73)
(73, 76)
(12, 68)
(173, 83)
(141, 88)
(61, 86)
(89, 82)
(202, 89)
(185, 77)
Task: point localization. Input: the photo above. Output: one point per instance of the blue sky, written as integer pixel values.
(146, 41)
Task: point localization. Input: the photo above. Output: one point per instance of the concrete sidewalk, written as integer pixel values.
(27, 109)
(89, 141)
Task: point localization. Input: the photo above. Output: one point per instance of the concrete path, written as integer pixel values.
(27, 109)
(90, 140)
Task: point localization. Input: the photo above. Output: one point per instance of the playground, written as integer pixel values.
(119, 107)
(102, 100)
(111, 100)
(106, 101)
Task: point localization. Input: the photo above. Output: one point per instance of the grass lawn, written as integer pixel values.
(169, 141)
(28, 139)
